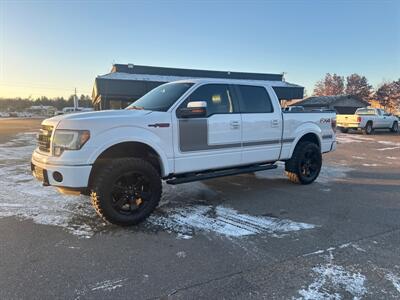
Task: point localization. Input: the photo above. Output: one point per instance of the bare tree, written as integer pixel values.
(332, 84)
(357, 85)
(388, 95)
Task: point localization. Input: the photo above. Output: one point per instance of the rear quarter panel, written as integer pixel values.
(297, 125)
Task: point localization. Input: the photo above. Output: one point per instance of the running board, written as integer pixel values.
(220, 173)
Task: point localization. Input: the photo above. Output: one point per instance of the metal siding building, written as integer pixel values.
(127, 83)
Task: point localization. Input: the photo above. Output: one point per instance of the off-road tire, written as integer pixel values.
(293, 166)
(368, 129)
(395, 127)
(344, 130)
(104, 179)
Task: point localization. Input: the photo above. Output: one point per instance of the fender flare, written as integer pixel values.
(303, 130)
(132, 137)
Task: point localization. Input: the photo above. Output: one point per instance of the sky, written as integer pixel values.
(48, 48)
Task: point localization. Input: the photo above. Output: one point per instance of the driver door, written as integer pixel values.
(210, 140)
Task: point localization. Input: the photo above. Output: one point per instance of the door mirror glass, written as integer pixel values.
(194, 109)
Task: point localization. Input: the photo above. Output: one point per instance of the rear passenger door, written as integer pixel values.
(261, 124)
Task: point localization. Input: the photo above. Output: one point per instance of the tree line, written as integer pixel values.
(387, 94)
(20, 104)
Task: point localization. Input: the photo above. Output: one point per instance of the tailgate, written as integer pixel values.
(347, 119)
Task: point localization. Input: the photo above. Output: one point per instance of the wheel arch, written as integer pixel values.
(131, 148)
(311, 134)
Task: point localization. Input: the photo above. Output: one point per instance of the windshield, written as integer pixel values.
(161, 98)
(365, 111)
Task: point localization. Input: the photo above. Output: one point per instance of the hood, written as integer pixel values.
(105, 114)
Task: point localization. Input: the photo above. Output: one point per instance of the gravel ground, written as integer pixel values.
(242, 237)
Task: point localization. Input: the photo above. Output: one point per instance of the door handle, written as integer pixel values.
(275, 123)
(235, 124)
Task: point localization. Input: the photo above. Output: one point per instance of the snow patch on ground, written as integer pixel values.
(330, 279)
(351, 138)
(222, 221)
(332, 172)
(394, 279)
(23, 196)
(371, 165)
(392, 158)
(105, 286)
(392, 145)
(358, 157)
(388, 148)
(330, 249)
(346, 139)
(181, 254)
(108, 285)
(389, 143)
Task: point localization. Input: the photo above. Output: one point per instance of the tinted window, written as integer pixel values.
(365, 111)
(161, 98)
(254, 99)
(217, 96)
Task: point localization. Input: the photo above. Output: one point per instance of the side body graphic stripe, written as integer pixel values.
(193, 137)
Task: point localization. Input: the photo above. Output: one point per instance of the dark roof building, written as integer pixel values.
(127, 83)
(343, 104)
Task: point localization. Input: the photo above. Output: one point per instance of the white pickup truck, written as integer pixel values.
(368, 119)
(179, 132)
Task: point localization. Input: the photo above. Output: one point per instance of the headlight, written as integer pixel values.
(69, 140)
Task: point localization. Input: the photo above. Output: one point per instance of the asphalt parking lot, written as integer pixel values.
(253, 236)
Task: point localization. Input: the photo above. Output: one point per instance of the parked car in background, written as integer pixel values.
(367, 120)
(24, 114)
(72, 110)
(4, 115)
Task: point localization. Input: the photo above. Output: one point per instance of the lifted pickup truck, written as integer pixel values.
(368, 119)
(179, 132)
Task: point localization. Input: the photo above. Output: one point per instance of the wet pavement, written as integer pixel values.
(247, 236)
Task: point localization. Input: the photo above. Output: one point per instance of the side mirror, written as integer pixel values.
(194, 109)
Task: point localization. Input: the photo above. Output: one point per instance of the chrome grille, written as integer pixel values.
(44, 138)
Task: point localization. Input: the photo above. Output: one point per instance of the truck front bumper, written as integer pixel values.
(72, 177)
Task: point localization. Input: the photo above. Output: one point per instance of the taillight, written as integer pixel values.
(333, 124)
(359, 119)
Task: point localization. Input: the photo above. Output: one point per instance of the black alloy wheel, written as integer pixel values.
(130, 193)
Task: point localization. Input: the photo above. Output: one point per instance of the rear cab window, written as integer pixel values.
(254, 99)
(365, 111)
